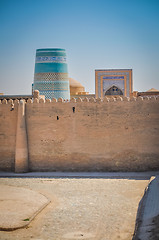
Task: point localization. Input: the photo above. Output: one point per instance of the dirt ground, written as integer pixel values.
(81, 208)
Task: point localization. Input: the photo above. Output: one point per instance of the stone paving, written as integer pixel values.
(81, 208)
(18, 206)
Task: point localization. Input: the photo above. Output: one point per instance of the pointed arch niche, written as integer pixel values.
(114, 90)
(120, 78)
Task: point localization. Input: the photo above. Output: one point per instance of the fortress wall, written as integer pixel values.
(98, 136)
(105, 136)
(8, 124)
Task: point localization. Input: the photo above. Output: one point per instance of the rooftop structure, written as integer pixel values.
(51, 75)
(149, 93)
(113, 82)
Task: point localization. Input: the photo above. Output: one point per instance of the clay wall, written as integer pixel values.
(119, 135)
(8, 125)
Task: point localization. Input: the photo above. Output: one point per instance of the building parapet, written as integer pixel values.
(83, 100)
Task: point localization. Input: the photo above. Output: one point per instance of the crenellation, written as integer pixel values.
(92, 100)
(119, 99)
(86, 99)
(48, 101)
(16, 101)
(54, 100)
(36, 100)
(4, 101)
(106, 99)
(41, 100)
(29, 101)
(126, 99)
(99, 100)
(153, 99)
(112, 99)
(140, 98)
(10, 101)
(133, 99)
(73, 100)
(79, 100)
(60, 100)
(146, 98)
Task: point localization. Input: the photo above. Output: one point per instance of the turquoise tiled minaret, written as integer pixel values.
(51, 74)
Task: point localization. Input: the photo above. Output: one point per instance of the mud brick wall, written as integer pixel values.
(89, 135)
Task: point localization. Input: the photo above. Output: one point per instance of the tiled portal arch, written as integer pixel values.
(114, 90)
(106, 78)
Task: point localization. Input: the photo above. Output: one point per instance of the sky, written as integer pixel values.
(97, 34)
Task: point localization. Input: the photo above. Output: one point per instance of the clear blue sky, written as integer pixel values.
(97, 34)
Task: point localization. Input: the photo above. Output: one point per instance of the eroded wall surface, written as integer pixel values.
(8, 125)
(89, 136)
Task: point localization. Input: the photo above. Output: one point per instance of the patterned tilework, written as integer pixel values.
(50, 59)
(109, 83)
(57, 95)
(51, 86)
(51, 76)
(51, 54)
(105, 79)
(114, 77)
(50, 67)
(52, 89)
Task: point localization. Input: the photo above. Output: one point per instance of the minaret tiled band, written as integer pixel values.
(51, 74)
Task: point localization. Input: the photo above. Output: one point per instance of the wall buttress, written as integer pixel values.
(21, 150)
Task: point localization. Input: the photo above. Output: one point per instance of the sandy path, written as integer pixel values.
(97, 209)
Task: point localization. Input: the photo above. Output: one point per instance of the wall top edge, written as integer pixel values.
(83, 100)
(129, 69)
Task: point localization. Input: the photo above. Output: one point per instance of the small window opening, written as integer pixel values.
(57, 117)
(73, 109)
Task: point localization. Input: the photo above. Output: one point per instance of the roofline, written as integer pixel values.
(116, 69)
